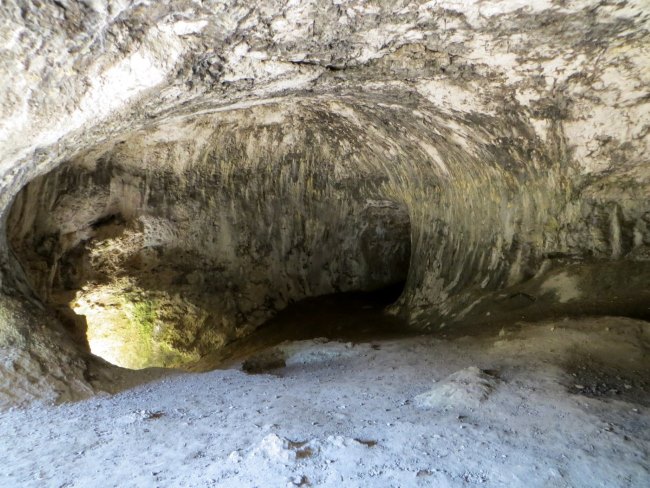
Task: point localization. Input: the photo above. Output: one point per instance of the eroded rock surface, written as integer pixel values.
(193, 168)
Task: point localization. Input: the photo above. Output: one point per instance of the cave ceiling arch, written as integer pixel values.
(513, 138)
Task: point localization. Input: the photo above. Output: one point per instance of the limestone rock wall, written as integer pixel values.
(218, 223)
(513, 135)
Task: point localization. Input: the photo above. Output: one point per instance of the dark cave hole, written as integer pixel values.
(352, 317)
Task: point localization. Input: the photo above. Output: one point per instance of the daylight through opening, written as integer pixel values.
(143, 280)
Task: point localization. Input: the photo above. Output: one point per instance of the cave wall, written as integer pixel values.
(515, 137)
(218, 224)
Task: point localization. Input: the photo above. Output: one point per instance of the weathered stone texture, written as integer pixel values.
(240, 155)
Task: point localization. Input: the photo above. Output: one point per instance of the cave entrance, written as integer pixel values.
(141, 287)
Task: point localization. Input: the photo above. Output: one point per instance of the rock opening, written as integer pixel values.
(159, 268)
(370, 243)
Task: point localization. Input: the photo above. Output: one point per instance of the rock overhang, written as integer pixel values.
(513, 136)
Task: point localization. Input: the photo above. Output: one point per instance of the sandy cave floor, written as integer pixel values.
(552, 404)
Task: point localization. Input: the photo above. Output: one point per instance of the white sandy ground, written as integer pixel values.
(554, 404)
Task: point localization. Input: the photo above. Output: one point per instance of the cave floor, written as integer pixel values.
(555, 403)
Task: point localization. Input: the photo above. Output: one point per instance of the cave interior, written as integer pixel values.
(235, 199)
